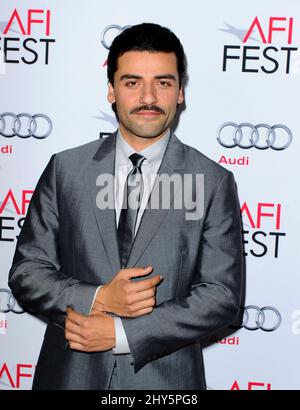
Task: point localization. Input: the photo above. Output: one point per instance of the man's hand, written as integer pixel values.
(94, 333)
(125, 298)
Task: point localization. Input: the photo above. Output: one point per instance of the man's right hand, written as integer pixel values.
(125, 298)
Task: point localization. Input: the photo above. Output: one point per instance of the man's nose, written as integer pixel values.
(148, 95)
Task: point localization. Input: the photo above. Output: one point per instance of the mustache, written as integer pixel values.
(148, 108)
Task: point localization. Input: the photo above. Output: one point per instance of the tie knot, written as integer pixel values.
(136, 159)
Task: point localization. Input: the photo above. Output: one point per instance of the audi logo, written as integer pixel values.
(16, 126)
(254, 137)
(8, 303)
(266, 318)
(108, 34)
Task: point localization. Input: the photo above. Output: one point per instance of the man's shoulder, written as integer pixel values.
(199, 162)
(75, 161)
(82, 152)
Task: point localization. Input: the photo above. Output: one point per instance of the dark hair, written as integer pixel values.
(146, 37)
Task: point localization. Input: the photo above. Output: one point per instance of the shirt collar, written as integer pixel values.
(153, 154)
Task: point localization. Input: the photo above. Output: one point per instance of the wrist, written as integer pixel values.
(100, 298)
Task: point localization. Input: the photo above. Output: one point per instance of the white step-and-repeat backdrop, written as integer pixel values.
(241, 111)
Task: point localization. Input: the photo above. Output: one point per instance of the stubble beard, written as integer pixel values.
(145, 130)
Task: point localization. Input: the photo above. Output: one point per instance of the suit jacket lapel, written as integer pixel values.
(104, 163)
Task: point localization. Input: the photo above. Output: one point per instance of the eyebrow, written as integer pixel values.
(157, 77)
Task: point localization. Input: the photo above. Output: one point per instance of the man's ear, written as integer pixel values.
(111, 94)
(180, 98)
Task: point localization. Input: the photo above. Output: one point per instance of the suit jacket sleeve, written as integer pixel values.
(35, 277)
(214, 298)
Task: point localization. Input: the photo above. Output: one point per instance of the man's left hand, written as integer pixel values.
(94, 333)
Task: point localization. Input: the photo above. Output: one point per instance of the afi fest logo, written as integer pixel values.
(274, 55)
(25, 36)
(13, 209)
(14, 377)
(262, 229)
(251, 386)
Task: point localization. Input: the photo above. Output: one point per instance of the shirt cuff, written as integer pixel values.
(122, 345)
(94, 298)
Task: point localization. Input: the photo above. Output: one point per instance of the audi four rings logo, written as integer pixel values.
(8, 303)
(108, 33)
(266, 318)
(254, 137)
(32, 128)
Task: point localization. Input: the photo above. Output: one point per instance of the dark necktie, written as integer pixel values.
(133, 192)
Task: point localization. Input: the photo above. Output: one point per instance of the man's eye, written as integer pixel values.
(164, 84)
(131, 83)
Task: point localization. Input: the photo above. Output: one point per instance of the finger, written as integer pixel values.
(144, 295)
(74, 316)
(136, 307)
(146, 284)
(72, 327)
(77, 346)
(136, 272)
(143, 312)
(72, 337)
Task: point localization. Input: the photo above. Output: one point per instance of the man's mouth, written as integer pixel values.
(148, 113)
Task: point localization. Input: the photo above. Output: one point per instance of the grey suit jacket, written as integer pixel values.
(68, 246)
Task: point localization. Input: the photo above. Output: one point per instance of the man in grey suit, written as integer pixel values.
(129, 292)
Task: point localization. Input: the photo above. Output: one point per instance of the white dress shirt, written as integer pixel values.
(153, 157)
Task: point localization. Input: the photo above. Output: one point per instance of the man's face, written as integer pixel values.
(146, 92)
